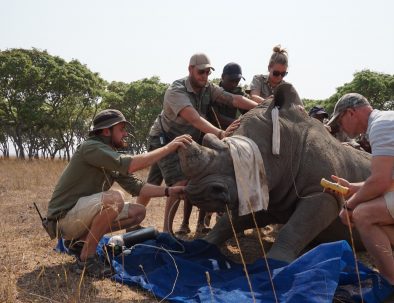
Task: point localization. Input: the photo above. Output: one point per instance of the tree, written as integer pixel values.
(140, 101)
(44, 100)
(378, 88)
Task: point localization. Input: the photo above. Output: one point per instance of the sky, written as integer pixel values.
(127, 40)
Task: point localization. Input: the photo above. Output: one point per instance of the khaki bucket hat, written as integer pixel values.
(107, 118)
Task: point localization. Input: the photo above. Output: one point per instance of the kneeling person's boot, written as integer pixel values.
(93, 267)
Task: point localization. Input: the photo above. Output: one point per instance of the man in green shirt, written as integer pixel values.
(185, 108)
(83, 203)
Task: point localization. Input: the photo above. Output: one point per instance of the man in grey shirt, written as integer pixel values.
(185, 107)
(370, 204)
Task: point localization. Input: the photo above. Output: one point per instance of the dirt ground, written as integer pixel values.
(31, 271)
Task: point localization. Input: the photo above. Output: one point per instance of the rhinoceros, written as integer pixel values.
(308, 153)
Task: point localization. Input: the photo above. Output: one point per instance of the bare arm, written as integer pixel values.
(193, 117)
(150, 190)
(243, 102)
(237, 101)
(255, 96)
(147, 159)
(377, 183)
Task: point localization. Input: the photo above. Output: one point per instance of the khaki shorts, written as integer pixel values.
(78, 220)
(389, 197)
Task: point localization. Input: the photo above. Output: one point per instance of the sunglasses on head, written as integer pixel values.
(278, 73)
(204, 71)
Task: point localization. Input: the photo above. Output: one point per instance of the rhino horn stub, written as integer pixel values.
(194, 159)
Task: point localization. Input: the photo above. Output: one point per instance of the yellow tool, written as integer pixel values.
(334, 186)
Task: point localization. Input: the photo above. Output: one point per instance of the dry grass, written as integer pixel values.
(30, 271)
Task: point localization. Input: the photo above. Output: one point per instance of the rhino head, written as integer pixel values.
(210, 172)
(209, 168)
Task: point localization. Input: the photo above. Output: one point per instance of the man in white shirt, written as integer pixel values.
(370, 204)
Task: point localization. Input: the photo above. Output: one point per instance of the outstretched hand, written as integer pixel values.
(346, 183)
(177, 192)
(346, 216)
(181, 141)
(232, 128)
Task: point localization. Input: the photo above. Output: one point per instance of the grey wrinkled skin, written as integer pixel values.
(307, 154)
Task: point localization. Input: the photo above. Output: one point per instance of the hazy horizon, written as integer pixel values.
(327, 41)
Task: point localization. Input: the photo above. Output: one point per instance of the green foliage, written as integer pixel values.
(215, 81)
(47, 104)
(43, 96)
(309, 103)
(140, 101)
(378, 88)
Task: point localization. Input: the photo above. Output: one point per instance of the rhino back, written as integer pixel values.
(308, 153)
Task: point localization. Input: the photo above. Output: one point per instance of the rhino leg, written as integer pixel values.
(223, 231)
(311, 216)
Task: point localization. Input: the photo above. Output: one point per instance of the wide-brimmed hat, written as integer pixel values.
(107, 118)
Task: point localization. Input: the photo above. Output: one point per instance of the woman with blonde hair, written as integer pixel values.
(263, 86)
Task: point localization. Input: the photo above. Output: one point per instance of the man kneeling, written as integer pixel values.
(83, 205)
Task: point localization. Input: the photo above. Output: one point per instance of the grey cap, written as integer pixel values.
(108, 118)
(350, 100)
(201, 61)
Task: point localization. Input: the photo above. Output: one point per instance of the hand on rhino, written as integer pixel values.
(308, 153)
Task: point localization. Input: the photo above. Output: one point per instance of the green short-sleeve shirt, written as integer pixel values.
(93, 168)
(260, 83)
(178, 96)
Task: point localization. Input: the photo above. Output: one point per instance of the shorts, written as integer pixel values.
(170, 165)
(155, 177)
(78, 219)
(389, 197)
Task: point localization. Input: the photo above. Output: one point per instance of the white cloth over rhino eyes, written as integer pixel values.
(253, 194)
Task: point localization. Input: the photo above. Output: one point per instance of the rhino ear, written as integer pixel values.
(213, 142)
(285, 96)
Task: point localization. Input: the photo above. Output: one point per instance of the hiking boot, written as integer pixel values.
(183, 230)
(93, 267)
(202, 229)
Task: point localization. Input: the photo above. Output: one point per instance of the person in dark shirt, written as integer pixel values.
(222, 115)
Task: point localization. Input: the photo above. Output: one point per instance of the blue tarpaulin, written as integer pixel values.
(321, 274)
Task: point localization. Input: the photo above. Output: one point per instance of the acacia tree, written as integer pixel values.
(140, 101)
(45, 99)
(378, 88)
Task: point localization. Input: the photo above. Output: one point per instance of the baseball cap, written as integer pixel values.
(233, 70)
(318, 110)
(107, 118)
(201, 61)
(350, 100)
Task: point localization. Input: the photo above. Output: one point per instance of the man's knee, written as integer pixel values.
(113, 199)
(361, 216)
